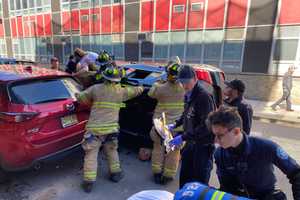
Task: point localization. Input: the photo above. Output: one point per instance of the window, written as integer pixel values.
(178, 8)
(285, 49)
(194, 46)
(107, 43)
(197, 6)
(18, 5)
(161, 45)
(213, 43)
(105, 2)
(177, 44)
(85, 42)
(84, 17)
(118, 45)
(84, 4)
(49, 91)
(12, 4)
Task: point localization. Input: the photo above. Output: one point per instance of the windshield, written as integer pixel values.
(43, 91)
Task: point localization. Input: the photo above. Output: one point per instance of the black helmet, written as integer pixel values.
(103, 57)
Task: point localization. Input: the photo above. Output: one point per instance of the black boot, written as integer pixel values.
(116, 177)
(165, 180)
(87, 186)
(157, 178)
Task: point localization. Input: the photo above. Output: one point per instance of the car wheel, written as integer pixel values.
(3, 176)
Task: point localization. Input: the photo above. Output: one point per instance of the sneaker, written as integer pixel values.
(116, 177)
(87, 186)
(165, 180)
(157, 178)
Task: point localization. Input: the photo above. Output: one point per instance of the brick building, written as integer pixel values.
(242, 37)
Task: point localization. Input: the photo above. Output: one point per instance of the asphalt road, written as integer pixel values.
(61, 180)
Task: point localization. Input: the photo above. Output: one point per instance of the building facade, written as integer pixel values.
(239, 36)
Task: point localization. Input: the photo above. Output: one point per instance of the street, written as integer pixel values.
(61, 180)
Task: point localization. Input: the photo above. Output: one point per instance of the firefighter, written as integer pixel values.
(102, 127)
(170, 97)
(103, 60)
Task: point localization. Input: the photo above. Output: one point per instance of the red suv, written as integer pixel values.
(39, 118)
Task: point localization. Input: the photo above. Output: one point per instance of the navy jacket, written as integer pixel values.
(197, 106)
(245, 110)
(248, 169)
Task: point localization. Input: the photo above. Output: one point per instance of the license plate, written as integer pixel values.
(68, 121)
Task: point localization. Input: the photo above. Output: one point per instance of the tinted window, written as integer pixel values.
(43, 91)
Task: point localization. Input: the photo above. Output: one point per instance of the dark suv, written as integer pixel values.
(136, 117)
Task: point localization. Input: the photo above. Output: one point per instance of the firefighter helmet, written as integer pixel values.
(114, 74)
(103, 57)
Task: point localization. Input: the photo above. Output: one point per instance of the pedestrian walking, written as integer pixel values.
(287, 85)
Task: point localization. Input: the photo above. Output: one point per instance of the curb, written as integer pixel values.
(276, 121)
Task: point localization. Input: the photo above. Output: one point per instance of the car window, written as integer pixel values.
(43, 91)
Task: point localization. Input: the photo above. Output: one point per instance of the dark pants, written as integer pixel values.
(275, 195)
(197, 163)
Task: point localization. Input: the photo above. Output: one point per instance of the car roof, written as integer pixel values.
(18, 72)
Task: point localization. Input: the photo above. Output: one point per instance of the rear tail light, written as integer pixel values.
(17, 116)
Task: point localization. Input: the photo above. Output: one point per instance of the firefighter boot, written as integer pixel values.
(87, 186)
(165, 180)
(116, 177)
(157, 178)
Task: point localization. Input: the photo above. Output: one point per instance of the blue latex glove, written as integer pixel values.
(171, 126)
(177, 141)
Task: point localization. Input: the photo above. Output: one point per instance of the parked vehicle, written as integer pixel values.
(39, 119)
(136, 117)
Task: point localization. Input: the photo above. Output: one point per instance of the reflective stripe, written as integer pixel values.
(156, 168)
(169, 172)
(108, 105)
(90, 175)
(115, 168)
(221, 195)
(106, 125)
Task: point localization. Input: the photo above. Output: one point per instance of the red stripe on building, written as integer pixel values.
(26, 26)
(196, 14)
(147, 16)
(1, 30)
(75, 19)
(33, 28)
(290, 13)
(84, 22)
(118, 16)
(40, 25)
(13, 25)
(95, 20)
(237, 12)
(66, 21)
(162, 15)
(106, 19)
(215, 14)
(178, 14)
(47, 23)
(20, 26)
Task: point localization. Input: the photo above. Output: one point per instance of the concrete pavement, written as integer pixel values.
(262, 111)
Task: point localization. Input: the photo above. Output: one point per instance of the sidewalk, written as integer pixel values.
(263, 111)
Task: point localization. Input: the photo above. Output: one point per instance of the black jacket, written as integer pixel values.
(196, 108)
(245, 110)
(71, 67)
